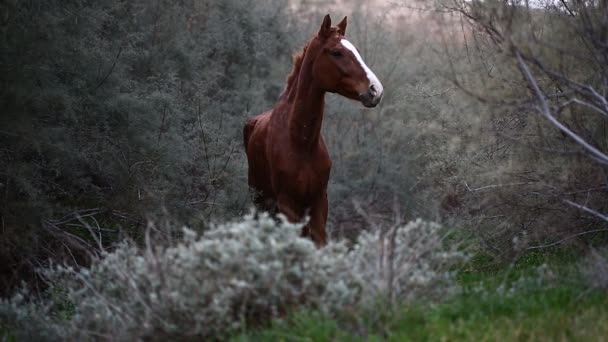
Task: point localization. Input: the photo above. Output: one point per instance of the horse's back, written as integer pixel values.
(248, 129)
(255, 126)
(255, 137)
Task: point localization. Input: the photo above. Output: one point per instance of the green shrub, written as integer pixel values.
(237, 275)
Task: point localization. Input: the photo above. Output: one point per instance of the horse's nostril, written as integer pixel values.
(372, 90)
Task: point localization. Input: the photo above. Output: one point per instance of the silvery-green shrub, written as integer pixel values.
(243, 274)
(405, 262)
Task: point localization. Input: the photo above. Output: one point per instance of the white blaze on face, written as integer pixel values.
(373, 80)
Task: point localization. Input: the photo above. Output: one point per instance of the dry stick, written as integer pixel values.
(581, 207)
(100, 229)
(391, 251)
(126, 216)
(567, 238)
(587, 209)
(162, 124)
(70, 252)
(582, 103)
(202, 135)
(9, 133)
(583, 89)
(49, 224)
(103, 80)
(381, 241)
(493, 186)
(603, 187)
(95, 237)
(72, 216)
(545, 110)
(100, 296)
(156, 265)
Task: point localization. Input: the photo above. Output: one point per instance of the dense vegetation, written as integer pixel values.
(527, 302)
(121, 123)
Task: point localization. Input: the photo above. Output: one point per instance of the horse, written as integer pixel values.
(289, 165)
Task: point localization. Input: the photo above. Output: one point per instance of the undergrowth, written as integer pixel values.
(236, 276)
(542, 296)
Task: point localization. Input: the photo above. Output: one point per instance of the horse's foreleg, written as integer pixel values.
(318, 218)
(289, 208)
(315, 229)
(261, 199)
(263, 202)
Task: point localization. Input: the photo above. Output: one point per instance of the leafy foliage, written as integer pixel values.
(125, 108)
(237, 275)
(507, 166)
(528, 300)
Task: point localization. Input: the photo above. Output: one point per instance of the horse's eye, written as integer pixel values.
(336, 53)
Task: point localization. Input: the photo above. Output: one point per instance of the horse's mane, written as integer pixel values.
(297, 66)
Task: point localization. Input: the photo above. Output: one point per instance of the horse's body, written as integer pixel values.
(289, 164)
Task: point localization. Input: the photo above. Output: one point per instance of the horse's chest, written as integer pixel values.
(309, 182)
(306, 178)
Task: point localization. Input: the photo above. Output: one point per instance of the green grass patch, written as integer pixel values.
(498, 303)
(5, 334)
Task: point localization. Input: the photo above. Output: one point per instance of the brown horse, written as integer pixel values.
(288, 161)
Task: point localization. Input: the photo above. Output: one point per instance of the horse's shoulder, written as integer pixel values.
(257, 120)
(254, 124)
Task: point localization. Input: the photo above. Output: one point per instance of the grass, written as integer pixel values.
(6, 335)
(498, 303)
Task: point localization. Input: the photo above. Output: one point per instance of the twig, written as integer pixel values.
(567, 238)
(493, 186)
(96, 238)
(582, 103)
(72, 216)
(99, 229)
(103, 80)
(200, 202)
(545, 110)
(9, 133)
(587, 209)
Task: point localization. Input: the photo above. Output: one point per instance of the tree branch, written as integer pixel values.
(587, 209)
(545, 110)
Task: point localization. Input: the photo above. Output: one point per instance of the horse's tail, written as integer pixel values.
(248, 129)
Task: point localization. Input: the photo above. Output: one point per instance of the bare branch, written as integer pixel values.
(492, 186)
(582, 103)
(545, 110)
(587, 209)
(567, 238)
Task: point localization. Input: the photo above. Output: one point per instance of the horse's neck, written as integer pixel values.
(306, 112)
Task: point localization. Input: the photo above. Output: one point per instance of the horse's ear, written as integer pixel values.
(342, 27)
(325, 26)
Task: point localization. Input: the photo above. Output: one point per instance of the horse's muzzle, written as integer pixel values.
(370, 101)
(371, 97)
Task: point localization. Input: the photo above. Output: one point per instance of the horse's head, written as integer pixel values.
(339, 68)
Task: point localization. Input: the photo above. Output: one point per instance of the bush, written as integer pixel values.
(237, 275)
(404, 263)
(504, 167)
(595, 269)
(140, 108)
(24, 320)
